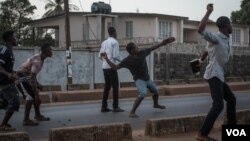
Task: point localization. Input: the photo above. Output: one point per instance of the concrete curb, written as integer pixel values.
(243, 117)
(184, 124)
(108, 132)
(14, 136)
(131, 92)
(167, 126)
(201, 88)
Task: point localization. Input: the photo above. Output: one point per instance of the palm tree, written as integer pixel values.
(55, 7)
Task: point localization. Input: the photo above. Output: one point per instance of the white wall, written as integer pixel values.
(86, 67)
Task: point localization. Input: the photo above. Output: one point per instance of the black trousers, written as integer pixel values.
(111, 79)
(219, 91)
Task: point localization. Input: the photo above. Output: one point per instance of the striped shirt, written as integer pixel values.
(7, 60)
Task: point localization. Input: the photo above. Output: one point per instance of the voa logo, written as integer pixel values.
(236, 132)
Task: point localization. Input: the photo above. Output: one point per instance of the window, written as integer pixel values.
(236, 36)
(129, 29)
(165, 29)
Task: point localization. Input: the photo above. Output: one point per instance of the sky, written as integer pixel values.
(193, 9)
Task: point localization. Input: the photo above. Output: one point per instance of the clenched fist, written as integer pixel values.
(168, 40)
(210, 7)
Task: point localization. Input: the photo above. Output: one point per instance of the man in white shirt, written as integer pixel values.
(218, 52)
(111, 47)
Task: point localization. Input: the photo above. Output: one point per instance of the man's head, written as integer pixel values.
(112, 32)
(224, 24)
(9, 37)
(132, 48)
(46, 50)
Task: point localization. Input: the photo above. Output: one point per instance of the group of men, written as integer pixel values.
(23, 80)
(25, 77)
(218, 52)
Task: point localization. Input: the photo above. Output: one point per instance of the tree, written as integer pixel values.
(243, 15)
(55, 7)
(14, 15)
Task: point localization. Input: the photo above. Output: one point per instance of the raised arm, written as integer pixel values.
(164, 42)
(203, 22)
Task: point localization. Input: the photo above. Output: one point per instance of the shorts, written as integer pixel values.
(9, 98)
(24, 87)
(143, 86)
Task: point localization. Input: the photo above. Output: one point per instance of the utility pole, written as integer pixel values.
(68, 43)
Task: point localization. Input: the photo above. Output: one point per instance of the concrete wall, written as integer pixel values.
(86, 67)
(173, 62)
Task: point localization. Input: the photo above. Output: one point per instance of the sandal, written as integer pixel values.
(42, 118)
(30, 123)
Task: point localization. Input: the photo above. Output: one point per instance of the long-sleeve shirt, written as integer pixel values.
(218, 53)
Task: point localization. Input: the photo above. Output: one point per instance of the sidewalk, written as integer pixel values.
(131, 92)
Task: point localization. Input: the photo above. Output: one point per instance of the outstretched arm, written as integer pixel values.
(164, 42)
(203, 22)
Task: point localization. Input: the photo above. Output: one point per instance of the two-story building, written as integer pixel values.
(88, 29)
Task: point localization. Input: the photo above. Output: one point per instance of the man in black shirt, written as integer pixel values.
(137, 65)
(9, 99)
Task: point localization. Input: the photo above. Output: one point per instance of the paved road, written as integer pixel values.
(89, 113)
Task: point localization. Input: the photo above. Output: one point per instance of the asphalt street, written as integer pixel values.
(88, 113)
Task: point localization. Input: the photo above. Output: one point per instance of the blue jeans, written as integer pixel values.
(143, 87)
(10, 98)
(219, 91)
